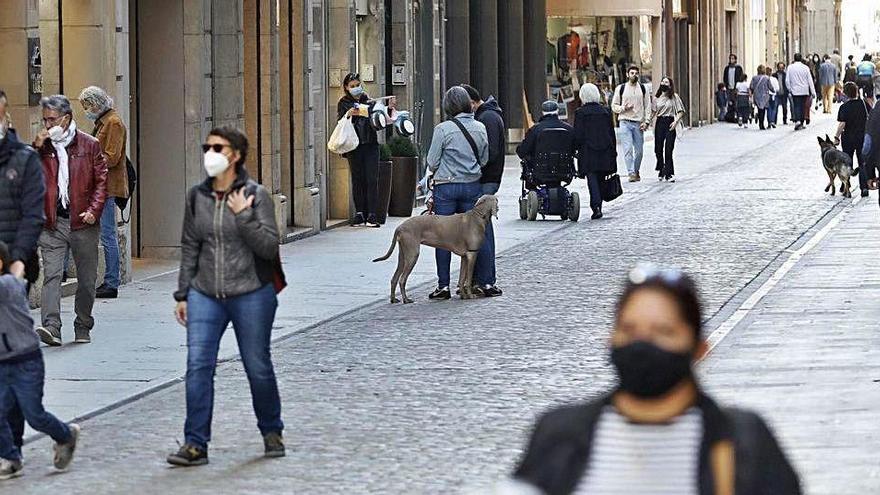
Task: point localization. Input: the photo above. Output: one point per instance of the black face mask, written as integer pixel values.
(646, 370)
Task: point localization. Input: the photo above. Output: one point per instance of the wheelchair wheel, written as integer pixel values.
(533, 206)
(523, 209)
(574, 207)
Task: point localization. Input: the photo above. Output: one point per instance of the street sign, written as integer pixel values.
(398, 75)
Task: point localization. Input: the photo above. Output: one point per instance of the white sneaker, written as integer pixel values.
(9, 469)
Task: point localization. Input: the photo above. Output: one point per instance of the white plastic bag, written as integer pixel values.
(344, 137)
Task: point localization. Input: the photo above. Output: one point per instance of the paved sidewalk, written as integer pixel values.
(808, 358)
(138, 346)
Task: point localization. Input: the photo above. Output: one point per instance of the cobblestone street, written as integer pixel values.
(439, 397)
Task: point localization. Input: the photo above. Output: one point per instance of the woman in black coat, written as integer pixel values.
(363, 160)
(597, 144)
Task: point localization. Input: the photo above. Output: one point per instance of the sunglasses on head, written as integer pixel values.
(218, 148)
(643, 273)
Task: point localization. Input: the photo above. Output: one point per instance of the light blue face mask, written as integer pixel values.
(92, 116)
(356, 91)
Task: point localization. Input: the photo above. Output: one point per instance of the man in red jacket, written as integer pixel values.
(76, 187)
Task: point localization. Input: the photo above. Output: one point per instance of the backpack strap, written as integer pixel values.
(470, 139)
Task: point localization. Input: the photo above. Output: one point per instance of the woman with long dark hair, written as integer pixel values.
(668, 111)
(228, 246)
(363, 160)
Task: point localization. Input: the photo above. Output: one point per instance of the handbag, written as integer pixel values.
(610, 187)
(344, 138)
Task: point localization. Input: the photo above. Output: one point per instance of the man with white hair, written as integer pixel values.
(75, 173)
(110, 132)
(549, 120)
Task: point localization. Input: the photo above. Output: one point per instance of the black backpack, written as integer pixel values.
(132, 184)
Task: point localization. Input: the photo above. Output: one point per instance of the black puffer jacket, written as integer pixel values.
(21, 197)
(366, 133)
(220, 251)
(490, 115)
(559, 451)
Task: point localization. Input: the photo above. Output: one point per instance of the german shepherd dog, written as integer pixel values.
(837, 164)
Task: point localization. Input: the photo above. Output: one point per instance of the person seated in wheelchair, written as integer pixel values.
(548, 153)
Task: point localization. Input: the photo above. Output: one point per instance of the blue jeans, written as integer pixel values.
(23, 383)
(633, 140)
(251, 315)
(490, 188)
(772, 110)
(450, 199)
(110, 243)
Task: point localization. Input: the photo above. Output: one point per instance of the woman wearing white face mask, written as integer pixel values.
(229, 242)
(364, 160)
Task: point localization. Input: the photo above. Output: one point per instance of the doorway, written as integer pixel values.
(158, 126)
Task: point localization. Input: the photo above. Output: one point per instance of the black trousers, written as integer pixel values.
(593, 181)
(762, 112)
(664, 144)
(798, 108)
(364, 165)
(854, 146)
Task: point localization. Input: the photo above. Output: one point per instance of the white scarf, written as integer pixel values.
(63, 170)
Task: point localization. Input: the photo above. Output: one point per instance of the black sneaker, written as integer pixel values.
(359, 219)
(274, 445)
(597, 214)
(491, 291)
(104, 292)
(864, 193)
(441, 293)
(372, 222)
(188, 455)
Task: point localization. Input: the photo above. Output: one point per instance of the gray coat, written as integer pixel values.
(18, 341)
(221, 251)
(760, 87)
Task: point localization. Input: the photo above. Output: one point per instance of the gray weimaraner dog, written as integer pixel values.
(462, 234)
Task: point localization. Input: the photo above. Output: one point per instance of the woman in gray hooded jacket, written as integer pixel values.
(228, 249)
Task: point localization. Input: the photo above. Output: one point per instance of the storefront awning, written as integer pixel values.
(603, 8)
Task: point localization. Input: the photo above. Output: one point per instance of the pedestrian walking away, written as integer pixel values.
(110, 132)
(489, 114)
(849, 70)
(865, 73)
(22, 376)
(364, 160)
(760, 89)
(783, 96)
(668, 110)
(228, 249)
(743, 101)
(75, 173)
(596, 142)
(852, 117)
(459, 150)
(829, 75)
(799, 82)
(21, 221)
(657, 431)
(632, 104)
(772, 108)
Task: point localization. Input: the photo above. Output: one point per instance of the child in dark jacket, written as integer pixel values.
(721, 100)
(22, 375)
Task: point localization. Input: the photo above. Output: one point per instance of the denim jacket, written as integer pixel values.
(451, 157)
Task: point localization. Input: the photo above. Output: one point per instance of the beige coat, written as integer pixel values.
(111, 133)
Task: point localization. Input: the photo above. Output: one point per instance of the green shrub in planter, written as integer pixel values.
(384, 153)
(402, 147)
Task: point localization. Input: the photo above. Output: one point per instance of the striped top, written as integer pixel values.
(632, 459)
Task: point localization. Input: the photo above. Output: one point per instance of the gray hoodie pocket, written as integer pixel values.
(6, 343)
